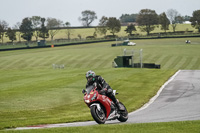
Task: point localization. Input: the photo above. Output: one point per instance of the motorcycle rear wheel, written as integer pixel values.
(123, 114)
(98, 116)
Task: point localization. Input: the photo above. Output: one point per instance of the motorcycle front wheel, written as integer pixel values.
(98, 116)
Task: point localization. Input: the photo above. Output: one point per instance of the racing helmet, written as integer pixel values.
(90, 76)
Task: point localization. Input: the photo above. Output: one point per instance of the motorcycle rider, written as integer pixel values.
(102, 86)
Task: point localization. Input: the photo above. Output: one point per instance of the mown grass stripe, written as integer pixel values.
(196, 65)
(50, 59)
(90, 61)
(8, 61)
(171, 62)
(107, 63)
(14, 64)
(165, 61)
(180, 63)
(145, 58)
(4, 62)
(71, 59)
(30, 60)
(186, 63)
(83, 62)
(175, 62)
(54, 60)
(153, 59)
(38, 60)
(100, 62)
(63, 59)
(26, 62)
(159, 60)
(192, 62)
(77, 62)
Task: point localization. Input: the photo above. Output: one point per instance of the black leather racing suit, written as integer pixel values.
(102, 86)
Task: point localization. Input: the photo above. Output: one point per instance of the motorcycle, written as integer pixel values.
(102, 108)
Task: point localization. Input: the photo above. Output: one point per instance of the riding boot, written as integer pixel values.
(119, 107)
(116, 102)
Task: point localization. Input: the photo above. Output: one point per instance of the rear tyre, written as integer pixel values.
(123, 114)
(98, 116)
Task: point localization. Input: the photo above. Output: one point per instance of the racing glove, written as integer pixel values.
(84, 91)
(104, 90)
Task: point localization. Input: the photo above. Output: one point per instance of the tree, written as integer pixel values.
(114, 25)
(186, 18)
(87, 17)
(173, 15)
(11, 34)
(53, 24)
(147, 20)
(3, 28)
(195, 20)
(130, 28)
(69, 31)
(43, 32)
(179, 19)
(26, 29)
(125, 18)
(164, 22)
(102, 28)
(17, 27)
(36, 21)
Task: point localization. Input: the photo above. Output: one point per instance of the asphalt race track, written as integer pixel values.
(177, 100)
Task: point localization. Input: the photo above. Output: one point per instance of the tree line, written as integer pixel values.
(31, 26)
(147, 20)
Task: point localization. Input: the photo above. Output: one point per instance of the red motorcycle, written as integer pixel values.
(102, 107)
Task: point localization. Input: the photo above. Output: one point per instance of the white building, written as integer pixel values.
(187, 22)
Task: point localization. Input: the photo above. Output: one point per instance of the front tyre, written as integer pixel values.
(123, 114)
(98, 116)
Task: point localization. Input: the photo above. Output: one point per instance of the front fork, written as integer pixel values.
(96, 104)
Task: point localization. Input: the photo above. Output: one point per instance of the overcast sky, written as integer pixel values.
(13, 11)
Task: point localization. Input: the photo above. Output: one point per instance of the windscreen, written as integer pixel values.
(89, 88)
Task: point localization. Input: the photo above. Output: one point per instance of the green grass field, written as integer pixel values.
(32, 92)
(166, 127)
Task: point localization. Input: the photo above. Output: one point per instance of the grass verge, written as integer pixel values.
(164, 127)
